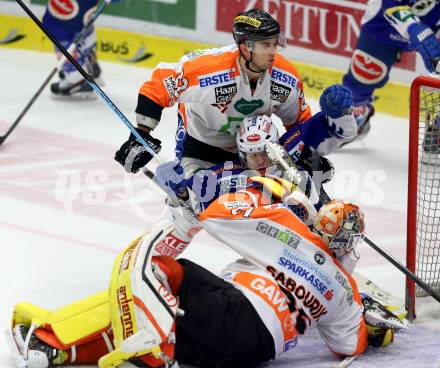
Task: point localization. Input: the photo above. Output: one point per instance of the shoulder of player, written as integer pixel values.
(281, 66)
(207, 61)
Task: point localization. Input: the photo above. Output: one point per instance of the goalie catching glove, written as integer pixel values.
(381, 322)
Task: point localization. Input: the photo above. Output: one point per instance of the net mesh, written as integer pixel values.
(428, 191)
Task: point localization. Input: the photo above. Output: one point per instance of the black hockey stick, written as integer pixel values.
(71, 48)
(324, 197)
(102, 94)
(402, 268)
(90, 80)
(315, 165)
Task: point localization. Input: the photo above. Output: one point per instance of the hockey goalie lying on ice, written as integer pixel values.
(161, 312)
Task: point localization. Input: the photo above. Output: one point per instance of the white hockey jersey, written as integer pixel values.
(215, 94)
(304, 286)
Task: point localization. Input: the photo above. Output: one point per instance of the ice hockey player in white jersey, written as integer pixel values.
(215, 89)
(160, 312)
(321, 135)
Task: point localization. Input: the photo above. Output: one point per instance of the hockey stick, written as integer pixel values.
(61, 62)
(394, 261)
(106, 99)
(91, 82)
(346, 362)
(285, 161)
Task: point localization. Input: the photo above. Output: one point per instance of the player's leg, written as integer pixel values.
(65, 20)
(77, 333)
(220, 326)
(139, 305)
(369, 69)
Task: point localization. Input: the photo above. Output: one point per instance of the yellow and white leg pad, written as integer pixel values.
(73, 324)
(141, 308)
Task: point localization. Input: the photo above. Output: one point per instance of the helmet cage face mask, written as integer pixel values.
(344, 240)
(255, 131)
(263, 48)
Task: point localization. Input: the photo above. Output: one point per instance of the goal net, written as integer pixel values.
(423, 228)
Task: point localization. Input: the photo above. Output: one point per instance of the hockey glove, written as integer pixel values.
(320, 168)
(381, 323)
(401, 17)
(336, 101)
(171, 178)
(132, 155)
(426, 44)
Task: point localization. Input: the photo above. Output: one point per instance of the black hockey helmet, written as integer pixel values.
(254, 25)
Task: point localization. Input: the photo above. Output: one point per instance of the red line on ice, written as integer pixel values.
(58, 237)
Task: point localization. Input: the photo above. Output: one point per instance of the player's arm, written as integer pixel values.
(346, 333)
(394, 23)
(418, 35)
(154, 95)
(162, 90)
(325, 131)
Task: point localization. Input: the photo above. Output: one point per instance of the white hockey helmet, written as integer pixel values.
(255, 131)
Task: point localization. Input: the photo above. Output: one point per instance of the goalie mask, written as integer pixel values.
(255, 131)
(341, 225)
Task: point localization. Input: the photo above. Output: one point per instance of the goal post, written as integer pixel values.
(423, 212)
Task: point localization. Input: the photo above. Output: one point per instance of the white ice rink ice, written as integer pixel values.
(67, 208)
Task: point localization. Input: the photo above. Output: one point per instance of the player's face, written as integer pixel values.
(257, 161)
(264, 52)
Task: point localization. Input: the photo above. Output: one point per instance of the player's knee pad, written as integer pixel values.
(369, 67)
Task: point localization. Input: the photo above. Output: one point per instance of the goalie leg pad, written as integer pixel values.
(77, 333)
(380, 337)
(73, 324)
(142, 309)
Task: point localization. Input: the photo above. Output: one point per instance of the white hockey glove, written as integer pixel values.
(401, 17)
(300, 203)
(381, 322)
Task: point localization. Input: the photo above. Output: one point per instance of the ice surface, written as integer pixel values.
(66, 208)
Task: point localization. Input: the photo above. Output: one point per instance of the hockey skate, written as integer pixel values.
(73, 86)
(31, 352)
